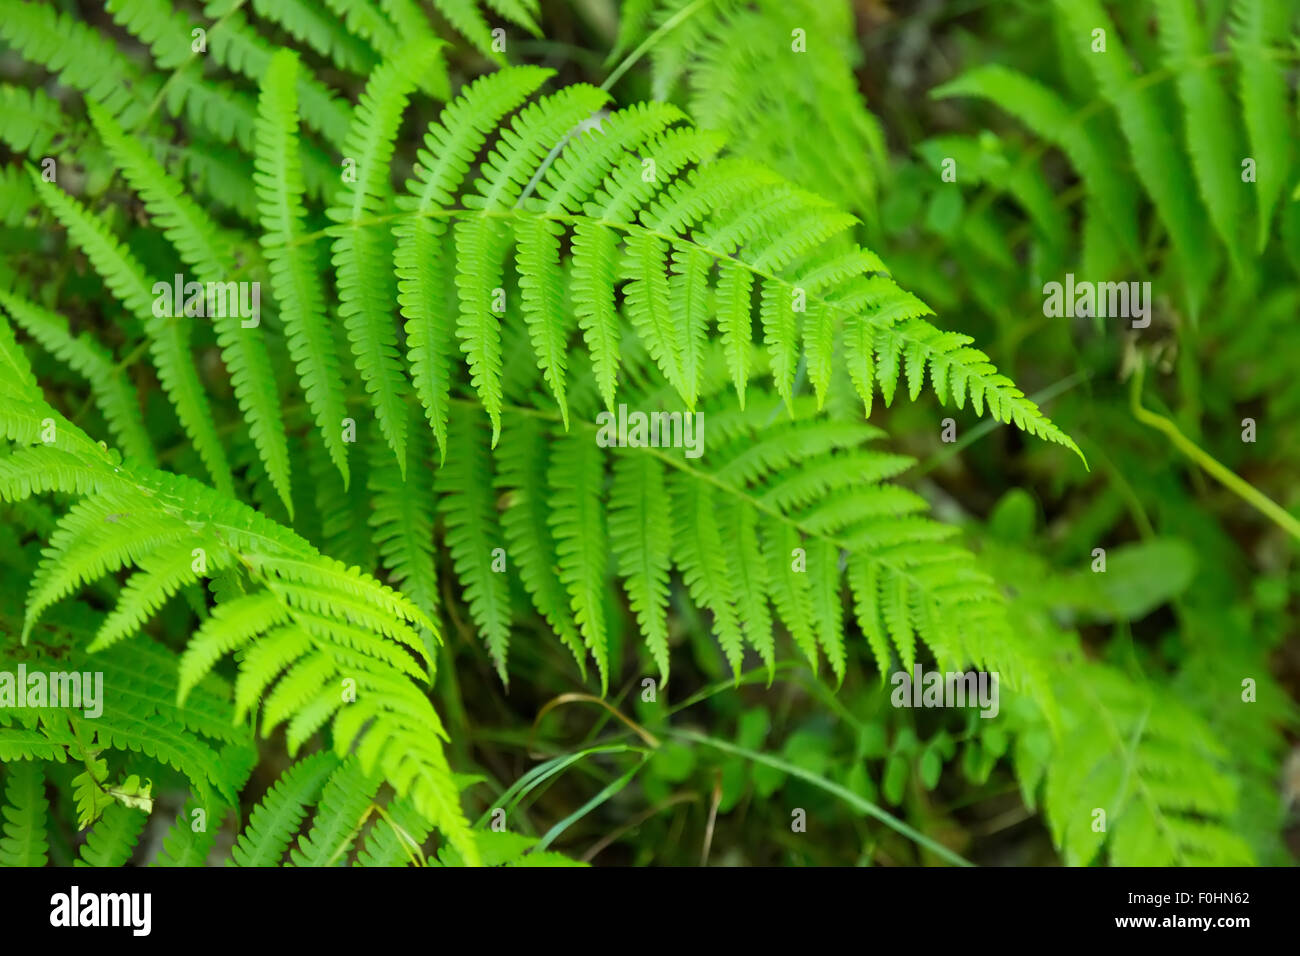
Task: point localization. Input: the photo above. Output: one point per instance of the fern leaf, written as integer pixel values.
(168, 337)
(294, 277)
(522, 464)
(1112, 200)
(1160, 164)
(465, 484)
(449, 147)
(342, 805)
(361, 252)
(83, 58)
(740, 526)
(1209, 125)
(700, 556)
(24, 814)
(187, 845)
(115, 399)
(1254, 27)
(641, 542)
(312, 24)
(577, 520)
(111, 841)
(541, 281)
(276, 819)
(403, 528)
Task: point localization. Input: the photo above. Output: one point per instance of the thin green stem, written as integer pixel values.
(664, 29)
(831, 787)
(1224, 475)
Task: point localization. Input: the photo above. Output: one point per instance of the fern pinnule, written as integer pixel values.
(576, 479)
(1209, 125)
(23, 816)
(292, 262)
(361, 252)
(342, 806)
(1256, 28)
(641, 543)
(522, 473)
(310, 23)
(473, 535)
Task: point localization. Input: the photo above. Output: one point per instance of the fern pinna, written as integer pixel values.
(458, 318)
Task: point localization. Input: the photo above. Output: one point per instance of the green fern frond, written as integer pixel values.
(83, 59)
(1154, 769)
(1160, 164)
(168, 336)
(343, 625)
(672, 228)
(294, 277)
(420, 260)
(24, 814)
(1256, 29)
(32, 121)
(529, 539)
(112, 840)
(187, 843)
(1210, 129)
(472, 535)
(641, 542)
(403, 526)
(275, 821)
(311, 23)
(361, 254)
(201, 247)
(576, 479)
(114, 398)
(339, 814)
(1111, 206)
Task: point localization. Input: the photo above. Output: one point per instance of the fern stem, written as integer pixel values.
(663, 30)
(162, 90)
(848, 796)
(1226, 476)
(562, 699)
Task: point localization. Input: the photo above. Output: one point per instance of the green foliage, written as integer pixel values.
(405, 478)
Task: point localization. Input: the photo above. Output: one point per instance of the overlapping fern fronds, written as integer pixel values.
(322, 644)
(658, 228)
(323, 811)
(643, 202)
(548, 258)
(777, 524)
